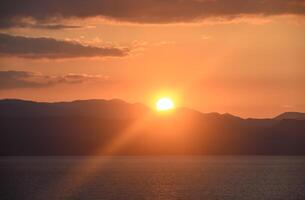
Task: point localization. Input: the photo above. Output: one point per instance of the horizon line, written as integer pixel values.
(149, 107)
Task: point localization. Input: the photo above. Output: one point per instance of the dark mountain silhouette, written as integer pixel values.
(291, 115)
(115, 108)
(98, 127)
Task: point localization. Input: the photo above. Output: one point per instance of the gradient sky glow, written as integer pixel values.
(248, 59)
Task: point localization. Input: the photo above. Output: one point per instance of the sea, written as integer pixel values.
(152, 178)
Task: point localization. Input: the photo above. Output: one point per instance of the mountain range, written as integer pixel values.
(115, 127)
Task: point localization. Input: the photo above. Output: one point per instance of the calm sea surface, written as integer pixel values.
(155, 178)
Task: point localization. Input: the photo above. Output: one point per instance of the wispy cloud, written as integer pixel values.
(29, 22)
(28, 47)
(27, 79)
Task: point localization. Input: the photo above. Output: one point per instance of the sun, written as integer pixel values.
(164, 104)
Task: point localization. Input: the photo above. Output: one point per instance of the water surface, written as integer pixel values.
(152, 178)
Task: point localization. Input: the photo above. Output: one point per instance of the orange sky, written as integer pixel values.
(251, 66)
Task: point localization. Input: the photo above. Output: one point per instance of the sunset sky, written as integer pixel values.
(244, 57)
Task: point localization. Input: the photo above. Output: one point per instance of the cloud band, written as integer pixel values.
(51, 48)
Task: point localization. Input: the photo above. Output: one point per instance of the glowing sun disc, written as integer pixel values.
(164, 104)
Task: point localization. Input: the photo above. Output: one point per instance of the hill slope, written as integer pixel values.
(99, 127)
(291, 115)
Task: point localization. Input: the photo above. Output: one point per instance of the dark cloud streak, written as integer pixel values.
(147, 11)
(54, 49)
(21, 23)
(26, 79)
